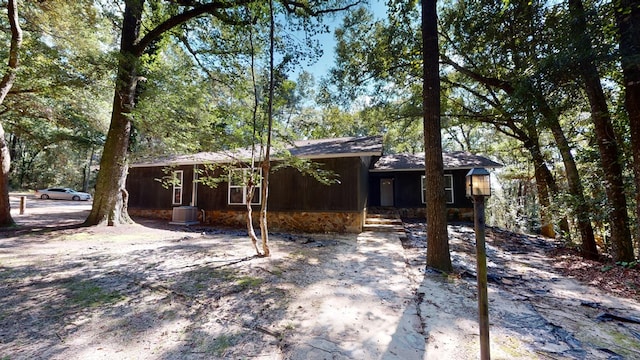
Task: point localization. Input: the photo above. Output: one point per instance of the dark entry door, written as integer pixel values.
(386, 192)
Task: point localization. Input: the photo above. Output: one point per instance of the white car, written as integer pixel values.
(62, 194)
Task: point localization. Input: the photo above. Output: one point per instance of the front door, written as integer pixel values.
(386, 192)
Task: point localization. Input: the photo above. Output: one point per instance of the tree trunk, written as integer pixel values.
(578, 207)
(621, 245)
(250, 229)
(266, 163)
(109, 204)
(5, 163)
(578, 204)
(628, 21)
(438, 255)
(5, 85)
(546, 221)
(87, 171)
(264, 230)
(14, 56)
(542, 175)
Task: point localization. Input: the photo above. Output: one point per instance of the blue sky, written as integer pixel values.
(321, 67)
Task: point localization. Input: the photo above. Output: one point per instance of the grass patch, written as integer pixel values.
(89, 294)
(205, 278)
(5, 274)
(220, 344)
(247, 282)
(215, 347)
(276, 271)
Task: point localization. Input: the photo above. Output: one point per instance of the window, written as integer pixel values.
(238, 186)
(448, 188)
(424, 189)
(177, 187)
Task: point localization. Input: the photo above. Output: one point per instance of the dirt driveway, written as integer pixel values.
(150, 291)
(48, 213)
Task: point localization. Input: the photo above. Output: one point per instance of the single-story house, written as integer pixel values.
(367, 181)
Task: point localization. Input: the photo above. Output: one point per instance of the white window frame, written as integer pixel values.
(423, 188)
(448, 187)
(178, 181)
(257, 187)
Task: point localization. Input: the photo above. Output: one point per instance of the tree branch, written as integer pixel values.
(501, 84)
(16, 41)
(193, 53)
(292, 6)
(213, 8)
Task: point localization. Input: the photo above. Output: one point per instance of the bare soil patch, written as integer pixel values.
(545, 302)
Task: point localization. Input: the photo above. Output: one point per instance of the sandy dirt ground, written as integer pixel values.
(154, 291)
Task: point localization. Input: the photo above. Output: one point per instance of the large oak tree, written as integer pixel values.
(110, 201)
(5, 85)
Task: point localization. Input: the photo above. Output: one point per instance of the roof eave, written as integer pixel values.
(446, 168)
(310, 157)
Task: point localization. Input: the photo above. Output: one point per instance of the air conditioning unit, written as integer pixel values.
(185, 215)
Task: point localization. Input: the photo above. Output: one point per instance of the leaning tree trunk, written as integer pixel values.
(552, 185)
(578, 203)
(5, 163)
(545, 183)
(250, 230)
(264, 229)
(542, 186)
(110, 201)
(621, 244)
(266, 163)
(438, 254)
(546, 221)
(628, 21)
(5, 85)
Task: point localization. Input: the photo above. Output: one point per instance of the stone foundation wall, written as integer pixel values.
(153, 214)
(314, 222)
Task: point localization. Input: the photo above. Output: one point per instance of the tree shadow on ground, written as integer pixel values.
(192, 294)
(534, 310)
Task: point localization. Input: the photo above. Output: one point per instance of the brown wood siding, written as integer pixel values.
(214, 198)
(292, 191)
(363, 179)
(289, 190)
(147, 193)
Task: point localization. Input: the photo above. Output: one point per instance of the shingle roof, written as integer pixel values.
(346, 146)
(310, 149)
(452, 160)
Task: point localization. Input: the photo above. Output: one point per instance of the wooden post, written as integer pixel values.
(481, 258)
(23, 204)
